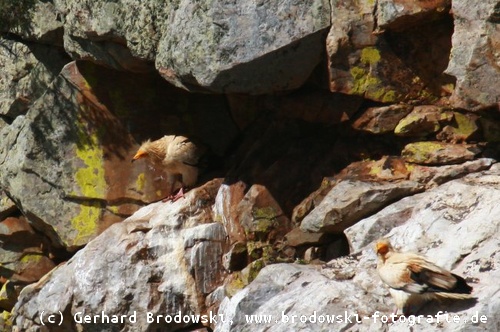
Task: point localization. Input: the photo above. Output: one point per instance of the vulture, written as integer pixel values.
(414, 280)
(178, 156)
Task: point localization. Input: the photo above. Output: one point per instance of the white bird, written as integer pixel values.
(413, 280)
(178, 156)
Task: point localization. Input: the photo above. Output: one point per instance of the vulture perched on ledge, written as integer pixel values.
(178, 156)
(413, 279)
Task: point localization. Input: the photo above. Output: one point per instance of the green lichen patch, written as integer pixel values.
(113, 209)
(416, 124)
(370, 55)
(466, 126)
(91, 177)
(249, 273)
(439, 153)
(218, 218)
(6, 318)
(422, 121)
(462, 128)
(31, 258)
(375, 169)
(140, 182)
(371, 87)
(86, 222)
(263, 221)
(90, 182)
(235, 285)
(257, 249)
(420, 152)
(8, 297)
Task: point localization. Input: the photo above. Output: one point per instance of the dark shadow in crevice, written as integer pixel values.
(425, 49)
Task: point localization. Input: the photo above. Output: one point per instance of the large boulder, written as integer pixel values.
(66, 152)
(164, 259)
(212, 46)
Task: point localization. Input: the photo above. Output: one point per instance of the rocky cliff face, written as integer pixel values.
(329, 124)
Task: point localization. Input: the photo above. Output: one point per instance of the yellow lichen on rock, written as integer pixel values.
(140, 182)
(369, 86)
(370, 55)
(91, 182)
(466, 126)
(365, 83)
(85, 223)
(420, 151)
(31, 258)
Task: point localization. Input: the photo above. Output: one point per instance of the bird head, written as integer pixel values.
(154, 151)
(144, 150)
(382, 247)
(141, 153)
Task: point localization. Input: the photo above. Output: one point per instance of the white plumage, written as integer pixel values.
(413, 280)
(178, 156)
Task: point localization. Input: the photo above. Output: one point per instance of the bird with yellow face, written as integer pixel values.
(413, 280)
(177, 156)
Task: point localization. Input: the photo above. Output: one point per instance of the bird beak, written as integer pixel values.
(140, 154)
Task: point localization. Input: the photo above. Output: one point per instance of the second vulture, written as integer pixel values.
(413, 279)
(178, 156)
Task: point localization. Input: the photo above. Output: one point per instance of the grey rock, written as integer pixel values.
(434, 176)
(350, 201)
(204, 245)
(208, 232)
(27, 71)
(33, 20)
(45, 24)
(92, 26)
(297, 237)
(458, 204)
(144, 265)
(218, 46)
(56, 154)
(474, 56)
(250, 47)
